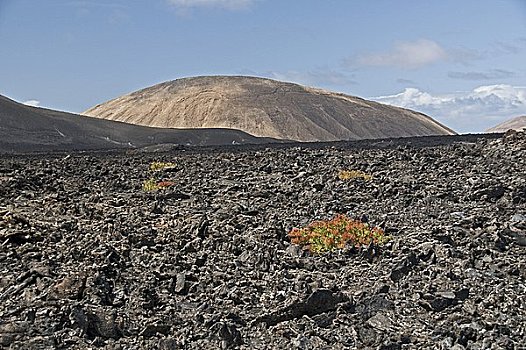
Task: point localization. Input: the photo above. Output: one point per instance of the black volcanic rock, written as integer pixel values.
(90, 260)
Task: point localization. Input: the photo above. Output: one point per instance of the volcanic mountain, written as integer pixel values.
(265, 108)
(518, 123)
(29, 129)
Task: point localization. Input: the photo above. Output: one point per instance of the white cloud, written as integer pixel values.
(423, 52)
(32, 103)
(407, 55)
(472, 111)
(227, 4)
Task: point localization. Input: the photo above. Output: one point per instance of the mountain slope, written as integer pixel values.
(518, 123)
(28, 129)
(264, 107)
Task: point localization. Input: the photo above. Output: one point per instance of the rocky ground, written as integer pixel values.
(90, 260)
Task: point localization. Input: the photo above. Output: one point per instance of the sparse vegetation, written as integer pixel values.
(323, 236)
(150, 185)
(153, 184)
(159, 166)
(354, 174)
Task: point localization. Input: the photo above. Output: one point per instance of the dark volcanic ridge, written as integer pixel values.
(30, 129)
(265, 108)
(90, 260)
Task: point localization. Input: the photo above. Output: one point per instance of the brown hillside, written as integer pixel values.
(518, 123)
(264, 107)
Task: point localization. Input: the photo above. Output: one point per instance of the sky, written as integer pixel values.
(461, 62)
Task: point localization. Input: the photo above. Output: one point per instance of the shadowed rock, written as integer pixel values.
(320, 301)
(30, 129)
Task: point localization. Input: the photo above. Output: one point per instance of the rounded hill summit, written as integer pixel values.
(265, 108)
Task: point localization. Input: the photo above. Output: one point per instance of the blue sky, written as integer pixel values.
(461, 62)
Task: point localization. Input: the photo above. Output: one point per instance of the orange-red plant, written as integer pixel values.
(323, 236)
(163, 184)
(152, 185)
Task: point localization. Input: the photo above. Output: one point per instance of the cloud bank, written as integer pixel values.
(472, 111)
(406, 55)
(226, 4)
(424, 52)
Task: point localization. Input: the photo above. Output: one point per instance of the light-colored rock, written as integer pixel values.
(518, 124)
(264, 107)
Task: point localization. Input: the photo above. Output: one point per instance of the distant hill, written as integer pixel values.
(518, 123)
(31, 129)
(265, 108)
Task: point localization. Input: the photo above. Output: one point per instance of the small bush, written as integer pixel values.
(150, 185)
(159, 166)
(153, 185)
(323, 236)
(354, 174)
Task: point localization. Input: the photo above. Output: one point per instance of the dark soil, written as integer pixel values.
(25, 129)
(90, 260)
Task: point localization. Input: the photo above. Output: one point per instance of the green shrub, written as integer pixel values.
(158, 166)
(150, 185)
(154, 185)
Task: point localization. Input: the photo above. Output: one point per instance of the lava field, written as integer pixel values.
(89, 259)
